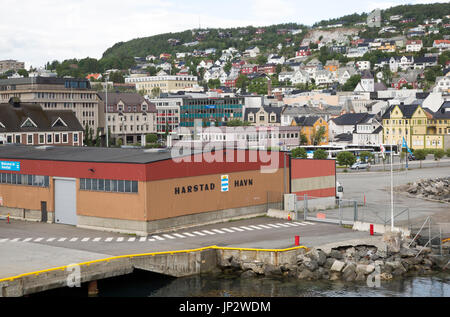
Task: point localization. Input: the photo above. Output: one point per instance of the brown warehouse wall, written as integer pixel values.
(129, 206)
(26, 197)
(164, 203)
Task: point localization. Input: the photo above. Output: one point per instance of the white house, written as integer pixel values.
(275, 59)
(442, 84)
(252, 51)
(368, 131)
(363, 65)
(414, 45)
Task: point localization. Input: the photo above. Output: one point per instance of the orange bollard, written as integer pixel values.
(289, 217)
(7, 219)
(371, 230)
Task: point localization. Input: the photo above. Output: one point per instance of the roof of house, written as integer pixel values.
(306, 121)
(350, 118)
(407, 110)
(443, 112)
(127, 98)
(13, 118)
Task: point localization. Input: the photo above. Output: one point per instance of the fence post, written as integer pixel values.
(296, 207)
(340, 213)
(355, 211)
(305, 206)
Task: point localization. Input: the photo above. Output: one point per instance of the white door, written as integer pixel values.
(65, 201)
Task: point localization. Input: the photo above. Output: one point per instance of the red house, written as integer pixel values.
(249, 69)
(303, 51)
(268, 69)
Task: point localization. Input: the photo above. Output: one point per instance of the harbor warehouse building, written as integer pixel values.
(145, 191)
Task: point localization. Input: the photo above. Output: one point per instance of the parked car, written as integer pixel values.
(360, 165)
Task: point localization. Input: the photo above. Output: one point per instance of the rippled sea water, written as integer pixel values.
(144, 284)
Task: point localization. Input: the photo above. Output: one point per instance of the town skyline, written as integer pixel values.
(36, 43)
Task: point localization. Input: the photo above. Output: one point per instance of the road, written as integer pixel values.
(28, 246)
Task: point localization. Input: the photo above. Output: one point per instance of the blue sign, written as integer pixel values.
(9, 166)
(224, 183)
(210, 106)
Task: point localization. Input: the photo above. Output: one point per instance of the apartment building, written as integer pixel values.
(167, 114)
(129, 116)
(210, 111)
(420, 127)
(10, 64)
(56, 94)
(165, 83)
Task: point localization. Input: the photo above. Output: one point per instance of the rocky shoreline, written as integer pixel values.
(351, 263)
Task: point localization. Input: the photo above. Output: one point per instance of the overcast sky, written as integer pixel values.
(37, 31)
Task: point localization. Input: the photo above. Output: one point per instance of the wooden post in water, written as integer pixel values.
(92, 288)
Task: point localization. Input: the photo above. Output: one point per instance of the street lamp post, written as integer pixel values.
(106, 117)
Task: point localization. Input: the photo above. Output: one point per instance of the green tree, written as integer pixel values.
(438, 154)
(420, 155)
(448, 152)
(214, 83)
(23, 72)
(156, 92)
(345, 159)
(303, 139)
(242, 81)
(351, 83)
(320, 154)
(151, 138)
(318, 136)
(366, 156)
(299, 153)
(117, 78)
(237, 123)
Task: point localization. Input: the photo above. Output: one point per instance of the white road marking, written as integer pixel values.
(218, 231)
(142, 239)
(151, 240)
(73, 240)
(282, 224)
(208, 232)
(3, 240)
(120, 239)
(158, 238)
(179, 235)
(227, 230)
(97, 239)
(109, 239)
(62, 239)
(272, 225)
(247, 228)
(15, 240)
(237, 229)
(291, 224)
(189, 234)
(265, 227)
(131, 239)
(27, 239)
(168, 236)
(85, 239)
(38, 239)
(199, 233)
(256, 227)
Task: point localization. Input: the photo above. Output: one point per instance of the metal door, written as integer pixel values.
(65, 201)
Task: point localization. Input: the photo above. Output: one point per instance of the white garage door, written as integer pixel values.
(65, 201)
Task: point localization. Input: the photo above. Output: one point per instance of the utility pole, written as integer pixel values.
(106, 117)
(392, 188)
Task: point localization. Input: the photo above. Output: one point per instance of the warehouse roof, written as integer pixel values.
(83, 154)
(95, 154)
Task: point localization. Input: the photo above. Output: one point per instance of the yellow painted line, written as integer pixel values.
(63, 268)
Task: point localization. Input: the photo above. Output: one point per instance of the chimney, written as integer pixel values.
(15, 102)
(269, 87)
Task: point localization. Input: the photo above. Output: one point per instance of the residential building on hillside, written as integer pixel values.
(30, 124)
(414, 45)
(57, 94)
(10, 64)
(165, 83)
(368, 131)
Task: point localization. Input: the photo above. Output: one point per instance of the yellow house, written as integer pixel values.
(389, 46)
(410, 122)
(310, 126)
